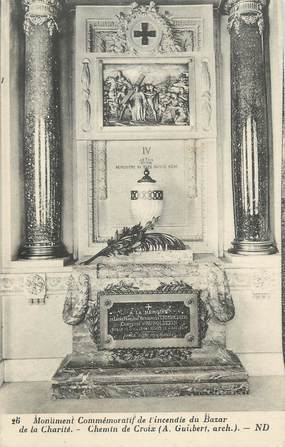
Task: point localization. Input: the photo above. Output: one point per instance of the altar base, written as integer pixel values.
(223, 374)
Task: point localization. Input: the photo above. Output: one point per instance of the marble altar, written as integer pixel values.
(143, 344)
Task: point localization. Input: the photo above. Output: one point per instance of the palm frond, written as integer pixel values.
(136, 238)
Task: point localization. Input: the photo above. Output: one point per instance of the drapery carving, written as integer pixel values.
(76, 301)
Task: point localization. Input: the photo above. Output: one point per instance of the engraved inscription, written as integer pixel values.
(148, 320)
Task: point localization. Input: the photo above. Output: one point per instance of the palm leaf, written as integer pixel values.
(136, 238)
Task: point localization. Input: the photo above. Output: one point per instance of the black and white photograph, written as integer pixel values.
(142, 223)
(151, 94)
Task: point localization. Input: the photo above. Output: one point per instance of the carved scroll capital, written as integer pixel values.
(38, 12)
(249, 12)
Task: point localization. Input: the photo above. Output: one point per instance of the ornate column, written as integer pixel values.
(42, 147)
(250, 135)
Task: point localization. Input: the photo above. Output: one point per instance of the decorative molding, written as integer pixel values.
(101, 168)
(57, 283)
(14, 284)
(261, 280)
(253, 279)
(85, 89)
(92, 191)
(38, 12)
(202, 146)
(35, 288)
(102, 33)
(249, 12)
(206, 97)
(192, 169)
(97, 185)
(37, 369)
(189, 33)
(144, 356)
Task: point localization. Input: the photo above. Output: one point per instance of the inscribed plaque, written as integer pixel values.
(146, 319)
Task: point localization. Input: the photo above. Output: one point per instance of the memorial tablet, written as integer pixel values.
(146, 320)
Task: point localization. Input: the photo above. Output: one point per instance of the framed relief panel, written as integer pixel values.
(144, 98)
(146, 95)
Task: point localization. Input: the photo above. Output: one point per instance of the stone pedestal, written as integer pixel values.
(202, 373)
(148, 329)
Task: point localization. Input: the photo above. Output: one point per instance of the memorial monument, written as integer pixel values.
(153, 326)
(151, 155)
(149, 311)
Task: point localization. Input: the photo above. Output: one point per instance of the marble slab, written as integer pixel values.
(78, 379)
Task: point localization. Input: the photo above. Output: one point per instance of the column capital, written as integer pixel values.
(248, 6)
(38, 12)
(246, 11)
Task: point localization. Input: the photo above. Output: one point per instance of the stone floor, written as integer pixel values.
(266, 394)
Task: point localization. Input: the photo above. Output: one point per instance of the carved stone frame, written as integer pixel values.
(90, 126)
(195, 169)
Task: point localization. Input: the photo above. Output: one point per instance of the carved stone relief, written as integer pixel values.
(86, 104)
(144, 29)
(35, 288)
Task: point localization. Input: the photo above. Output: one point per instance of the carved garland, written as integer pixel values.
(144, 356)
(77, 306)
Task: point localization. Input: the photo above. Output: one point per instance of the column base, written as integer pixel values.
(43, 252)
(253, 248)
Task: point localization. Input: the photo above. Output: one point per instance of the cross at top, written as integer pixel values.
(144, 33)
(148, 306)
